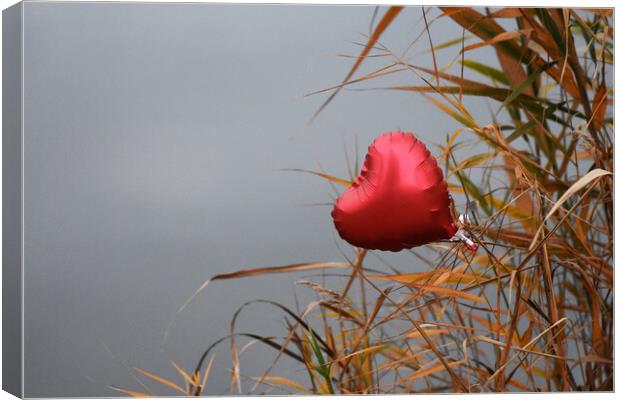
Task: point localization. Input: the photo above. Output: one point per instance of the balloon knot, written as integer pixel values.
(461, 236)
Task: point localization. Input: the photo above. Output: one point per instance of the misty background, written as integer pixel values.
(155, 138)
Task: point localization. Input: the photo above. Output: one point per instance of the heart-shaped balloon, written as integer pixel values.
(400, 199)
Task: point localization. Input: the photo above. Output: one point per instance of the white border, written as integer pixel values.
(523, 3)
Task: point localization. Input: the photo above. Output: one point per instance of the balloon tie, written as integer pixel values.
(461, 234)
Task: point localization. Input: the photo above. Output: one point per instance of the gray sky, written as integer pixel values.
(154, 139)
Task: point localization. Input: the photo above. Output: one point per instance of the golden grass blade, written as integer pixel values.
(340, 181)
(600, 106)
(281, 269)
(405, 278)
(512, 346)
(370, 349)
(429, 371)
(185, 375)
(163, 381)
(437, 276)
(457, 116)
(491, 326)
(429, 332)
(373, 75)
(205, 377)
(459, 278)
(499, 38)
(278, 380)
(244, 273)
(448, 292)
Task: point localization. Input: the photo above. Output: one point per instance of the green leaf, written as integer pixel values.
(471, 189)
(533, 76)
(520, 131)
(452, 42)
(323, 369)
(490, 72)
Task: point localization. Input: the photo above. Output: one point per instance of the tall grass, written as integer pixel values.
(532, 309)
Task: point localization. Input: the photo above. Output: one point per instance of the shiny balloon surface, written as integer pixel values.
(400, 199)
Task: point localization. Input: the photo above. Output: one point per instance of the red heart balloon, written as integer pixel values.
(400, 199)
